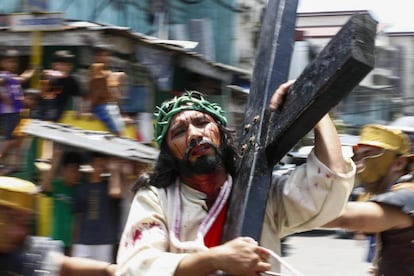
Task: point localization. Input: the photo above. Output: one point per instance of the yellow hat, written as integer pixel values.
(17, 193)
(387, 138)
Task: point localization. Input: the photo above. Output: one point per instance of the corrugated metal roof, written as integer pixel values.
(99, 141)
(178, 47)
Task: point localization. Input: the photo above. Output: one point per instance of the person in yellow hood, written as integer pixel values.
(384, 167)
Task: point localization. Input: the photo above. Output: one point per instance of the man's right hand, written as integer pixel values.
(241, 256)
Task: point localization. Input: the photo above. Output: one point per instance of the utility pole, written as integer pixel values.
(159, 10)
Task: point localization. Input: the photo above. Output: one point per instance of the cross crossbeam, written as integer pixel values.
(267, 136)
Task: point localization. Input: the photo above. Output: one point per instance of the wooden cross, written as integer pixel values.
(267, 136)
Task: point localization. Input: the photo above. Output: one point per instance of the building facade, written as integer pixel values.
(227, 32)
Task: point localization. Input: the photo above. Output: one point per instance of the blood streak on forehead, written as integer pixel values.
(182, 120)
(188, 116)
(203, 124)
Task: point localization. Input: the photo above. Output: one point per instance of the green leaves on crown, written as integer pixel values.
(190, 100)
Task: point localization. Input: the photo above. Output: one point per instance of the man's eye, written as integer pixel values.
(202, 122)
(178, 132)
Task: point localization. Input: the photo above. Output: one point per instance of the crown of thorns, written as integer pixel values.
(190, 100)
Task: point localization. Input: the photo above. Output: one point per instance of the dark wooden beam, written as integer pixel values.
(339, 67)
(268, 136)
(271, 69)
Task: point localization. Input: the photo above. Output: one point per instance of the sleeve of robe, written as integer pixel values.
(144, 245)
(309, 197)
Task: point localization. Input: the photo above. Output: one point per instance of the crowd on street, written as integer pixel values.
(169, 218)
(85, 195)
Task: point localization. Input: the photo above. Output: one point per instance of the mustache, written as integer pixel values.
(202, 141)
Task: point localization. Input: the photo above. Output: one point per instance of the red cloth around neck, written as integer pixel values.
(213, 236)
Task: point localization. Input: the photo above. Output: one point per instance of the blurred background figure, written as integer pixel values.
(60, 183)
(60, 90)
(104, 92)
(385, 170)
(11, 104)
(25, 255)
(95, 210)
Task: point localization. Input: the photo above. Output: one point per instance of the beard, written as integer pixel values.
(205, 164)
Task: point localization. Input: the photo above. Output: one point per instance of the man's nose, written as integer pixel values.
(194, 133)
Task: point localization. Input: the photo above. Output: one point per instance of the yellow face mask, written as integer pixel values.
(375, 166)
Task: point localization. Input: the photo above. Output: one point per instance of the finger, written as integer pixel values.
(263, 266)
(263, 253)
(276, 100)
(279, 95)
(249, 240)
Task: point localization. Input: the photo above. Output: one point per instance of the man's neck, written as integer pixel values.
(209, 184)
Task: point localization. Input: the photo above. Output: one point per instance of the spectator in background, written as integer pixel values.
(24, 255)
(385, 169)
(11, 104)
(95, 210)
(58, 89)
(60, 183)
(104, 92)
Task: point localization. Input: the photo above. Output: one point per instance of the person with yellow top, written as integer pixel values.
(22, 254)
(384, 167)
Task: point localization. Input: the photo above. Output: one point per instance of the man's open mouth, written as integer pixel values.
(200, 150)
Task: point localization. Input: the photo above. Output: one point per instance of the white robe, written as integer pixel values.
(309, 197)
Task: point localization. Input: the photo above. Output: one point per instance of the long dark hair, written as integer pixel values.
(166, 170)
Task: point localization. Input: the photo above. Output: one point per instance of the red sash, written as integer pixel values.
(213, 236)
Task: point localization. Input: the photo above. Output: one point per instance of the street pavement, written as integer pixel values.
(322, 253)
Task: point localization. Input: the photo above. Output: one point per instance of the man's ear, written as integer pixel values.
(400, 164)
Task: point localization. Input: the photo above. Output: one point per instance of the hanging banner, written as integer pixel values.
(50, 21)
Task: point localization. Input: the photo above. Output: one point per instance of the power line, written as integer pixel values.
(230, 7)
(191, 1)
(362, 102)
(65, 5)
(98, 10)
(378, 109)
(222, 3)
